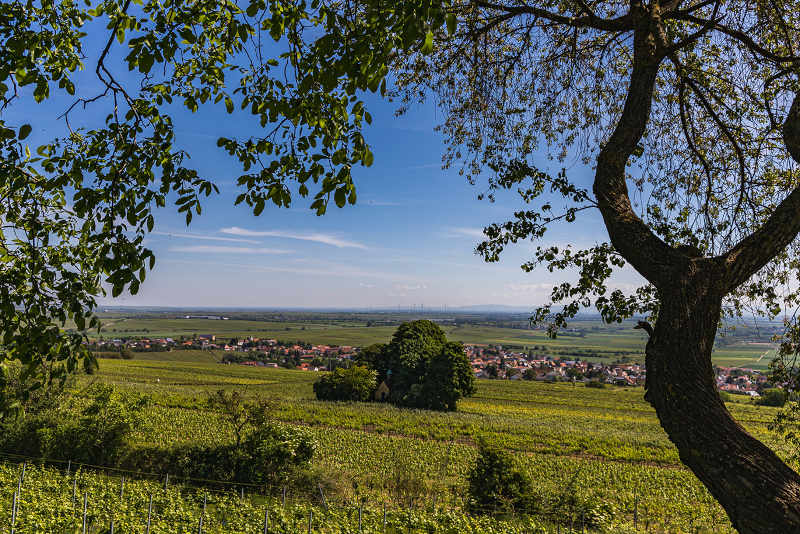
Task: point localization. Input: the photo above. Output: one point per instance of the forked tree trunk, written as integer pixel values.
(760, 493)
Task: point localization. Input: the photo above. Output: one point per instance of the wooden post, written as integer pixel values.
(200, 526)
(74, 489)
(266, 519)
(242, 496)
(111, 530)
(322, 495)
(122, 487)
(310, 520)
(69, 465)
(14, 512)
(24, 467)
(149, 513)
(85, 506)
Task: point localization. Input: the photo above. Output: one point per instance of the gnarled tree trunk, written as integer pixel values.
(760, 493)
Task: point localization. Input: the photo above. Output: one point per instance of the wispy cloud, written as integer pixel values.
(214, 249)
(426, 166)
(326, 239)
(204, 237)
(460, 231)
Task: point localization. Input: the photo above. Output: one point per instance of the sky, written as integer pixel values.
(409, 241)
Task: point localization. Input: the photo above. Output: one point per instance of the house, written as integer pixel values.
(382, 393)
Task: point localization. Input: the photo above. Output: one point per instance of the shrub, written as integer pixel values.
(595, 384)
(354, 384)
(496, 485)
(270, 455)
(772, 397)
(98, 435)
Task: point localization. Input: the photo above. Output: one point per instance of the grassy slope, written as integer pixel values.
(608, 441)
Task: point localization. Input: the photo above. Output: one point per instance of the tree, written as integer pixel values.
(496, 484)
(448, 377)
(491, 371)
(413, 346)
(688, 114)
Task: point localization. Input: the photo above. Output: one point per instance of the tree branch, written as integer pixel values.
(740, 36)
(648, 254)
(590, 20)
(780, 229)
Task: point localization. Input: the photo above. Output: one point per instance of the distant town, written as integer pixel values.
(488, 361)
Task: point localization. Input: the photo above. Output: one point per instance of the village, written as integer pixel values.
(488, 361)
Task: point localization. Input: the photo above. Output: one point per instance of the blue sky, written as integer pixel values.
(408, 241)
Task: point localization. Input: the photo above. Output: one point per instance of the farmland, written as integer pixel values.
(605, 445)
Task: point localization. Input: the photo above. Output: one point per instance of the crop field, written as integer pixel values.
(600, 445)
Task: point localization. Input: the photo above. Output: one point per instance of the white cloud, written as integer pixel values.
(524, 288)
(187, 235)
(410, 287)
(456, 231)
(213, 249)
(326, 239)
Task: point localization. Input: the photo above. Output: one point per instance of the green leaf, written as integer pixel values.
(451, 23)
(427, 46)
(24, 131)
(146, 63)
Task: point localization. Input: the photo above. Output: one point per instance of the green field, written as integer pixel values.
(607, 442)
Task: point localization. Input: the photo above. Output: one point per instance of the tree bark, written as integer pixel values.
(760, 493)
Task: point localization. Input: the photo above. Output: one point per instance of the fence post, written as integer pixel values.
(266, 519)
(310, 520)
(122, 487)
(166, 481)
(69, 465)
(284, 497)
(24, 468)
(149, 513)
(384, 517)
(242, 495)
(74, 489)
(85, 505)
(322, 494)
(111, 530)
(14, 512)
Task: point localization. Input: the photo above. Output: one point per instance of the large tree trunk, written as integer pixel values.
(760, 493)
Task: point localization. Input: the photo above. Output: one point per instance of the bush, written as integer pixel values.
(772, 397)
(271, 455)
(595, 384)
(354, 384)
(98, 435)
(496, 485)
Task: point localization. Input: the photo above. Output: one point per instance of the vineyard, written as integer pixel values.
(603, 447)
(598, 459)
